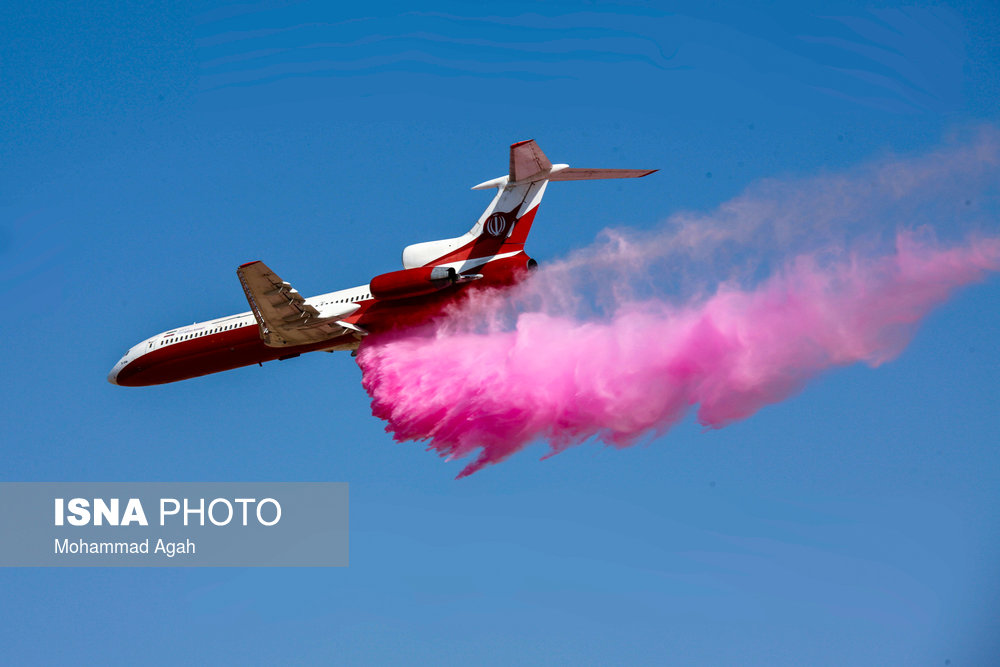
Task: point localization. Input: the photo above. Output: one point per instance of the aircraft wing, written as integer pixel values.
(282, 313)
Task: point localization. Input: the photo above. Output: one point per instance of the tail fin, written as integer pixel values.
(527, 161)
(504, 225)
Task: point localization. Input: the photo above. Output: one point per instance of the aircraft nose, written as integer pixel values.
(113, 373)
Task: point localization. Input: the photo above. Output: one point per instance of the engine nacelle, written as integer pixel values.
(412, 282)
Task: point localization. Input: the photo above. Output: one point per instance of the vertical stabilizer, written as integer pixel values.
(504, 225)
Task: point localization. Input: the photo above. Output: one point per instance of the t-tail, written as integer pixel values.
(503, 228)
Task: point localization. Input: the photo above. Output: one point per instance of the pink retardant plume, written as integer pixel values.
(636, 373)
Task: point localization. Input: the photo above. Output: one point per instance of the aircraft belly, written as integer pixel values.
(212, 354)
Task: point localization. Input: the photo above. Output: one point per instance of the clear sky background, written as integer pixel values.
(146, 152)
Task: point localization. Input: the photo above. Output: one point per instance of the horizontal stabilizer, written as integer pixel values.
(571, 174)
(529, 164)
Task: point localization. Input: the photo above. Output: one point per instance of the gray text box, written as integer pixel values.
(311, 529)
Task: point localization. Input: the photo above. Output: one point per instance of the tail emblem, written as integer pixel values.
(496, 224)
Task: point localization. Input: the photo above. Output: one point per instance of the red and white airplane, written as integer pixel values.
(281, 324)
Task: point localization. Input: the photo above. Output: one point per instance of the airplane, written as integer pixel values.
(281, 324)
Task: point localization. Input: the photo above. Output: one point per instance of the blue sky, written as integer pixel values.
(148, 151)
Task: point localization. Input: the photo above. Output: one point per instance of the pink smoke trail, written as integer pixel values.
(565, 380)
(592, 346)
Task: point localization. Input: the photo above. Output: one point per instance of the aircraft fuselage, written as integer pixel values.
(234, 341)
